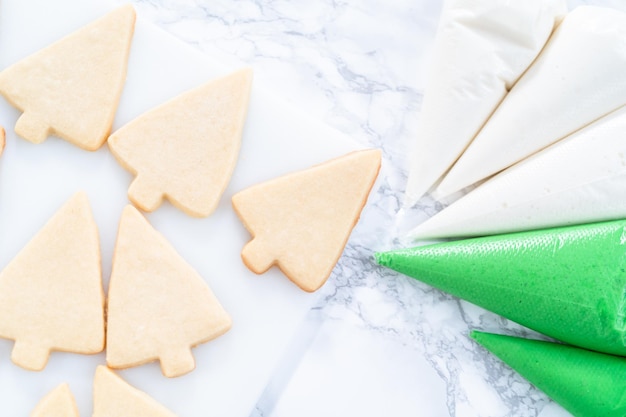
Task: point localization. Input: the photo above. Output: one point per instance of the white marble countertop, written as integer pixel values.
(377, 343)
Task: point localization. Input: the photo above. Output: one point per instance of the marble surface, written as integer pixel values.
(376, 343)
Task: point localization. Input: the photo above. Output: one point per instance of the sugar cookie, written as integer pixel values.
(57, 403)
(51, 295)
(301, 221)
(113, 397)
(158, 307)
(186, 149)
(72, 88)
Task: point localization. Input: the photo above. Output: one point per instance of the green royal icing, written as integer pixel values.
(586, 383)
(567, 283)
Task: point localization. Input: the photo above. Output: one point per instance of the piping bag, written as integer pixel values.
(568, 283)
(586, 383)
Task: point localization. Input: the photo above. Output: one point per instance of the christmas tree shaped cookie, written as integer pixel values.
(51, 295)
(58, 403)
(158, 305)
(587, 384)
(301, 221)
(186, 149)
(72, 88)
(113, 397)
(567, 283)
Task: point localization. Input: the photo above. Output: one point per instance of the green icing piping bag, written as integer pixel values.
(567, 282)
(586, 383)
